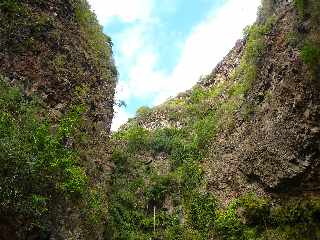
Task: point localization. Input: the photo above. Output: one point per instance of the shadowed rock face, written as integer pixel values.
(55, 50)
(48, 47)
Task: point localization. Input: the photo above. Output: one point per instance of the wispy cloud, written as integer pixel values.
(206, 45)
(123, 10)
(121, 117)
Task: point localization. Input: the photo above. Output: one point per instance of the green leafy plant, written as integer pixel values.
(301, 6)
(36, 164)
(192, 175)
(159, 188)
(11, 7)
(137, 138)
(310, 54)
(143, 111)
(205, 130)
(202, 212)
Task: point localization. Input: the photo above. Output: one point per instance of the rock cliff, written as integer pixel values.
(56, 62)
(222, 160)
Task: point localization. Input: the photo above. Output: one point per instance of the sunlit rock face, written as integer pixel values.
(277, 150)
(274, 148)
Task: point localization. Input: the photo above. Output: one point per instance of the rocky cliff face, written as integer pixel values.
(277, 148)
(278, 141)
(56, 49)
(54, 53)
(250, 127)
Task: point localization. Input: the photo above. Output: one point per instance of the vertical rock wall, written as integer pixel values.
(55, 50)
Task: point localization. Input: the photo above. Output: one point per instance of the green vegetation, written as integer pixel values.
(137, 138)
(40, 168)
(301, 6)
(202, 212)
(98, 42)
(143, 111)
(310, 54)
(182, 210)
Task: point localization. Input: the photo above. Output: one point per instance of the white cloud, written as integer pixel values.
(124, 10)
(120, 117)
(144, 80)
(207, 44)
(131, 41)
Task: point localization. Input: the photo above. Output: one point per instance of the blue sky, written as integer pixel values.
(162, 47)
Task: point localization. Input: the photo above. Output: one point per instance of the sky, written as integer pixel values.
(163, 47)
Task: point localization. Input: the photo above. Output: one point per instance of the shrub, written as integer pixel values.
(227, 223)
(95, 210)
(37, 164)
(205, 130)
(242, 218)
(120, 159)
(256, 210)
(301, 6)
(191, 176)
(161, 140)
(159, 188)
(197, 94)
(183, 151)
(310, 55)
(137, 138)
(202, 212)
(143, 111)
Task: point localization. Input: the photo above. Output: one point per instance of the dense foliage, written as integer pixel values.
(38, 164)
(182, 209)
